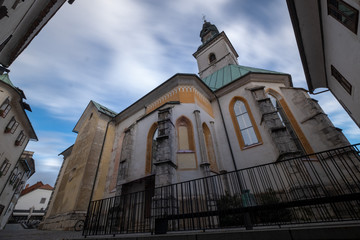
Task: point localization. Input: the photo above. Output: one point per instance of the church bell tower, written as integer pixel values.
(215, 52)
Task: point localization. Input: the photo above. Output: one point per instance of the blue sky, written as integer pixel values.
(114, 52)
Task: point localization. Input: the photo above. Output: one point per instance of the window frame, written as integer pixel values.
(210, 148)
(341, 79)
(186, 122)
(11, 126)
(5, 167)
(149, 149)
(239, 135)
(20, 139)
(212, 57)
(5, 108)
(341, 17)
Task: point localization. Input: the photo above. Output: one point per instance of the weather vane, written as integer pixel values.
(204, 17)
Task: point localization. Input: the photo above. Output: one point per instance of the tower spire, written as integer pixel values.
(208, 31)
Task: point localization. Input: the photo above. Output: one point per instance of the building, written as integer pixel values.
(20, 22)
(16, 165)
(327, 34)
(32, 202)
(231, 117)
(13, 177)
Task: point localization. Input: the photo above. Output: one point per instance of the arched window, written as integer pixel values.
(212, 57)
(151, 149)
(186, 156)
(244, 123)
(284, 119)
(210, 148)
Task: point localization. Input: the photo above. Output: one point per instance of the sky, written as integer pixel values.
(116, 51)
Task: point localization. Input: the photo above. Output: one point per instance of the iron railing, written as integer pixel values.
(319, 187)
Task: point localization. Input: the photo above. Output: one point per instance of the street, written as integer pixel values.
(16, 231)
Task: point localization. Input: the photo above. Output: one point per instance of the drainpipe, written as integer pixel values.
(226, 133)
(98, 165)
(247, 219)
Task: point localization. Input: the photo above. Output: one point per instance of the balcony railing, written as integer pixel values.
(321, 187)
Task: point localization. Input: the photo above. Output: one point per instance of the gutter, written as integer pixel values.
(98, 165)
(226, 133)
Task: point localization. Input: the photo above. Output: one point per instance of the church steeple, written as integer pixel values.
(215, 52)
(208, 31)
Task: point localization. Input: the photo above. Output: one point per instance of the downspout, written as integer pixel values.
(247, 219)
(226, 133)
(96, 174)
(98, 165)
(12, 198)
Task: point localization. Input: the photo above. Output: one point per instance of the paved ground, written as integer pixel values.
(16, 231)
(344, 231)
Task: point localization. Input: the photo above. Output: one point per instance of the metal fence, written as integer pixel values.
(321, 187)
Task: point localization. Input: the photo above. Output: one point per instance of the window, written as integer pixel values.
(14, 176)
(5, 108)
(151, 149)
(212, 57)
(4, 168)
(344, 13)
(42, 200)
(285, 122)
(1, 208)
(210, 148)
(340, 78)
(186, 156)
(20, 139)
(244, 123)
(12, 125)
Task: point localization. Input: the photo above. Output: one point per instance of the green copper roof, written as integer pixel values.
(230, 73)
(5, 78)
(104, 110)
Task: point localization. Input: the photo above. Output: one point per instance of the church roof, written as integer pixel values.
(5, 78)
(104, 109)
(230, 73)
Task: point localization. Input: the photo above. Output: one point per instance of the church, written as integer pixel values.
(226, 118)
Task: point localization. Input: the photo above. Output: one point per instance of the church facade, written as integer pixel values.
(228, 117)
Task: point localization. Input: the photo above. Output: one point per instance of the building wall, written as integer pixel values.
(341, 47)
(11, 152)
(33, 199)
(74, 190)
(25, 20)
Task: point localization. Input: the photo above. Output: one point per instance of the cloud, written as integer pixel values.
(47, 161)
(114, 52)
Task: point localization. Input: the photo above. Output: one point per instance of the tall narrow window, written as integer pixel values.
(5, 108)
(14, 176)
(341, 79)
(344, 13)
(285, 122)
(210, 148)
(151, 149)
(244, 123)
(12, 125)
(4, 168)
(186, 157)
(20, 139)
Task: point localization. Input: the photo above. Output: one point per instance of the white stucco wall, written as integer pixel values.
(342, 48)
(32, 199)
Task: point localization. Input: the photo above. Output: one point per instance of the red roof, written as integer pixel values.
(38, 185)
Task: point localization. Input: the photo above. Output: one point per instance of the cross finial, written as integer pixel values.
(204, 17)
